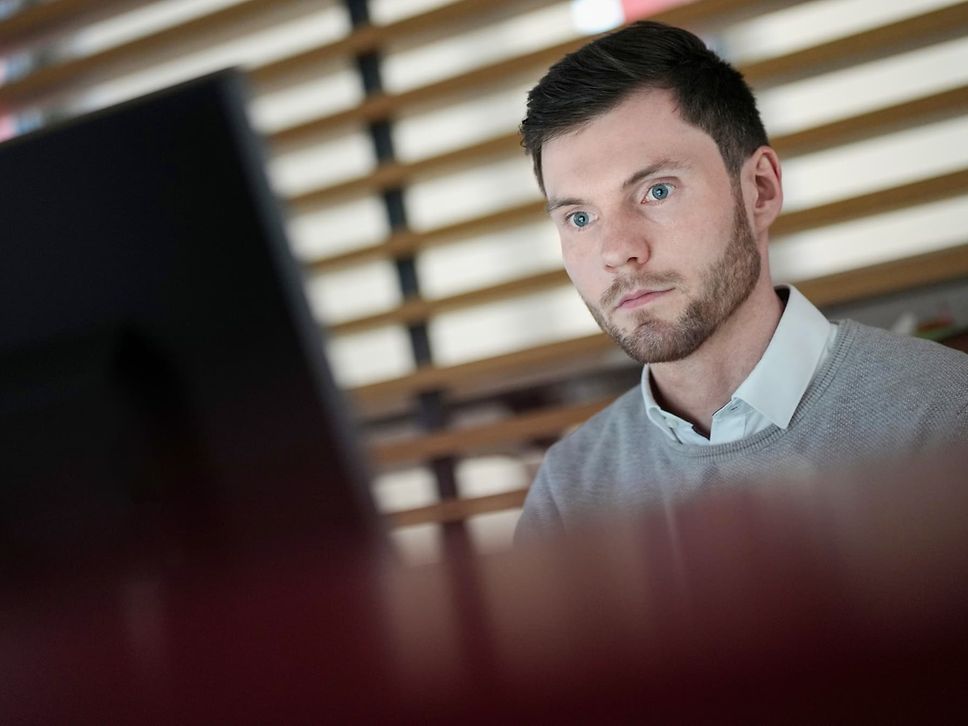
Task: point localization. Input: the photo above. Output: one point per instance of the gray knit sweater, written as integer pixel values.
(876, 394)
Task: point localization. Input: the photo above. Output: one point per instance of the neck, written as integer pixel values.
(697, 386)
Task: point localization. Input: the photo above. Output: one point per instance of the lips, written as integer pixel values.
(638, 298)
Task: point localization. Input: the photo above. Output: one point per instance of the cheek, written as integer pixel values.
(584, 273)
(696, 241)
(572, 259)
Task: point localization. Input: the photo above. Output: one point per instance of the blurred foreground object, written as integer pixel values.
(163, 387)
(842, 600)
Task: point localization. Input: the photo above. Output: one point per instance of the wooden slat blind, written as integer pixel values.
(402, 33)
(944, 104)
(492, 376)
(869, 45)
(191, 35)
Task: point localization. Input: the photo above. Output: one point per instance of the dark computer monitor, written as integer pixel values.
(163, 384)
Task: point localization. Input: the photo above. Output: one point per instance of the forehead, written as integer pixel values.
(642, 130)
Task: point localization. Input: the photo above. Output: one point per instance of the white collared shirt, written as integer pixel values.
(772, 391)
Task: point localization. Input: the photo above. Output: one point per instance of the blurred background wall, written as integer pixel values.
(391, 128)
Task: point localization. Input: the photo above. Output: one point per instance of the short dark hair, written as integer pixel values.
(709, 92)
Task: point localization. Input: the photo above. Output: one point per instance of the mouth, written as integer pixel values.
(640, 298)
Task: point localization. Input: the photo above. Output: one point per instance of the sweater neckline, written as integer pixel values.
(821, 381)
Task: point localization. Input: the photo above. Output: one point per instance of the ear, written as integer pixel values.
(763, 187)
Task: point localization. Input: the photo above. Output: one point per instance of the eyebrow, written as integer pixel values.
(635, 178)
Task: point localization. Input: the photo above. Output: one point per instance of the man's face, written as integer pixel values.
(654, 232)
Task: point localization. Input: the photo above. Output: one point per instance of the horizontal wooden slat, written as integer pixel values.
(43, 22)
(488, 437)
(503, 370)
(906, 114)
(198, 33)
(917, 31)
(911, 33)
(402, 244)
(482, 374)
(907, 195)
(393, 175)
(457, 510)
(885, 278)
(417, 310)
(423, 27)
(921, 191)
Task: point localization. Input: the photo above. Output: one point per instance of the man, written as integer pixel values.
(662, 185)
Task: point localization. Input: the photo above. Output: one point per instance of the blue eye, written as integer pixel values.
(580, 219)
(658, 192)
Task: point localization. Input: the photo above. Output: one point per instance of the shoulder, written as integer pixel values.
(611, 446)
(585, 468)
(605, 444)
(911, 358)
(618, 419)
(918, 377)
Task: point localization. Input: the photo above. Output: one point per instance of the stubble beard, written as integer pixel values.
(724, 286)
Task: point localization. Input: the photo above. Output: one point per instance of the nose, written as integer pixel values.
(625, 241)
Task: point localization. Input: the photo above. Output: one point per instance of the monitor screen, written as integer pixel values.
(163, 384)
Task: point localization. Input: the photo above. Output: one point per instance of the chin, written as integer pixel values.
(659, 341)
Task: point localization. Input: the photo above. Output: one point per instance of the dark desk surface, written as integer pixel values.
(838, 601)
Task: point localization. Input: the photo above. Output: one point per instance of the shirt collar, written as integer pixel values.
(667, 422)
(778, 381)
